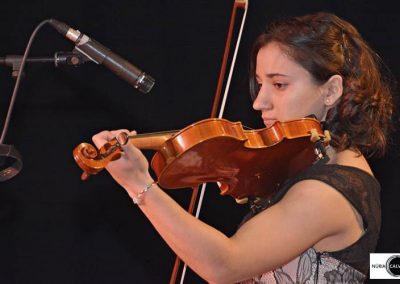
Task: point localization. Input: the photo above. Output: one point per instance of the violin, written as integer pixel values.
(245, 163)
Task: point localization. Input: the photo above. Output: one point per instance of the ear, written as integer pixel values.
(333, 90)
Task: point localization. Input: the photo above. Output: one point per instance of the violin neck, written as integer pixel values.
(150, 141)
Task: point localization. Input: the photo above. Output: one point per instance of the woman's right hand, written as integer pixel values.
(131, 171)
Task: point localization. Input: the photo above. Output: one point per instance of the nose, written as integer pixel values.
(262, 101)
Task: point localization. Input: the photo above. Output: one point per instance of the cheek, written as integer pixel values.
(297, 106)
(285, 107)
(295, 109)
(315, 105)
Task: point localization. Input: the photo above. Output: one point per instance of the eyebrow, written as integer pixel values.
(272, 75)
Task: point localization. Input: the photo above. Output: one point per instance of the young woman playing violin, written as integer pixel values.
(326, 220)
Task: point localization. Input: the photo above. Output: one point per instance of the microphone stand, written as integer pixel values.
(73, 58)
(10, 159)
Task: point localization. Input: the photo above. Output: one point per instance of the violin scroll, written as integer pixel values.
(92, 161)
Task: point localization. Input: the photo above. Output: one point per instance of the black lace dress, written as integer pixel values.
(349, 265)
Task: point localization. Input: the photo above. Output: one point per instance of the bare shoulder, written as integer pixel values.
(338, 223)
(317, 201)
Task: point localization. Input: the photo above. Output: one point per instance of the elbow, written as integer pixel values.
(226, 266)
(222, 275)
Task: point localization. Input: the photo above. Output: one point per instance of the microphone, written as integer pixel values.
(102, 55)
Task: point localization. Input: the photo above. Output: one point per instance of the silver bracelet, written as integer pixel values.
(138, 198)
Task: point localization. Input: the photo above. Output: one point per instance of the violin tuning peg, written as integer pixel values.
(327, 135)
(314, 135)
(242, 201)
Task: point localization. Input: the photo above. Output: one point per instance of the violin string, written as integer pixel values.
(109, 151)
(140, 135)
(116, 146)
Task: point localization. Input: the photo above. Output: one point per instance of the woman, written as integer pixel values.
(323, 224)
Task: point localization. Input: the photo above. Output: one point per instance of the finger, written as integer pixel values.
(130, 151)
(123, 135)
(105, 136)
(101, 138)
(116, 132)
(122, 138)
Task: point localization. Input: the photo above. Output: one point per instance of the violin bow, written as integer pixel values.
(238, 4)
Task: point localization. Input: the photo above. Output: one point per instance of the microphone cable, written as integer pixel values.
(10, 159)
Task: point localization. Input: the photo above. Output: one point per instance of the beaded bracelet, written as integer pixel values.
(138, 198)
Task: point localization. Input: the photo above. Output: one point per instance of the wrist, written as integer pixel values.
(138, 197)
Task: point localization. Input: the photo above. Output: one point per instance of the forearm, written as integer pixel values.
(206, 250)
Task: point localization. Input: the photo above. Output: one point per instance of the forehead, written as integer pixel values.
(273, 59)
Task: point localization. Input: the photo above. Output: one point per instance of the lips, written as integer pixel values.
(268, 122)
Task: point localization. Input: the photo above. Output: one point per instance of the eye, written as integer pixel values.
(280, 86)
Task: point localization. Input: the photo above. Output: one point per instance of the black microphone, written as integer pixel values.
(102, 55)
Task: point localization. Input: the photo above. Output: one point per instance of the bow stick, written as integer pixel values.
(238, 4)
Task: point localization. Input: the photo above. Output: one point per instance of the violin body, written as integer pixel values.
(246, 163)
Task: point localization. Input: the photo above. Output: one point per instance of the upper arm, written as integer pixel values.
(311, 211)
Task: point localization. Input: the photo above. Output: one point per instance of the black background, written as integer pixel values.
(54, 228)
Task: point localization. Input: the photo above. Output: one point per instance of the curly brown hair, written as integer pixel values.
(326, 45)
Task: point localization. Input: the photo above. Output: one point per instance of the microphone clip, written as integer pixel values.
(73, 58)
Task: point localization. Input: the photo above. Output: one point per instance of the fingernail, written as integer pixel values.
(122, 138)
